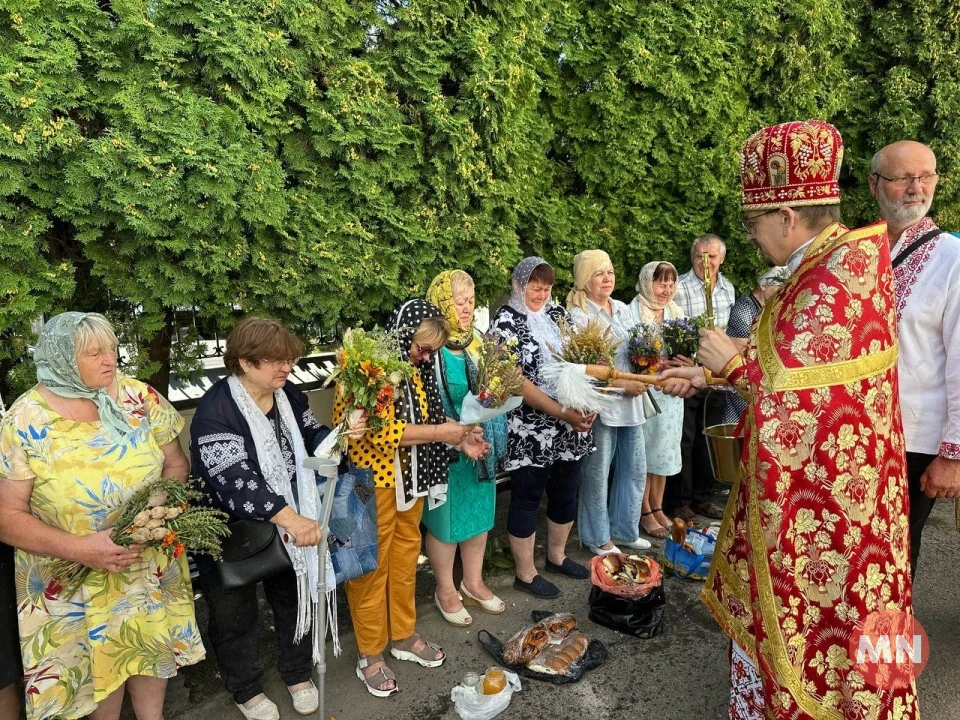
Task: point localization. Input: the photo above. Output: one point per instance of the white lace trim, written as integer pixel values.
(309, 419)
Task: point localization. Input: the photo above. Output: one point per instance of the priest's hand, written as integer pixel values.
(675, 384)
(716, 349)
(942, 479)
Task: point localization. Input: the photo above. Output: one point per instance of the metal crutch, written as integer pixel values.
(328, 469)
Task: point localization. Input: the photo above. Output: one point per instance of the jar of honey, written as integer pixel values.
(494, 681)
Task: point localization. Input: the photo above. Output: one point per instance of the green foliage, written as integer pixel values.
(320, 162)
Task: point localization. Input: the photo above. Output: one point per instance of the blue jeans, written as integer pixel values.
(621, 447)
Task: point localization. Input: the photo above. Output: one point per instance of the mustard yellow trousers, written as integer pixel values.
(382, 604)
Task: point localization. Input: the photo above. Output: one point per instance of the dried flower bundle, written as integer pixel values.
(591, 344)
(163, 514)
(681, 336)
(499, 375)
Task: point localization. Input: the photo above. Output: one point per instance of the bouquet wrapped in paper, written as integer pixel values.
(645, 348)
(499, 381)
(164, 514)
(369, 370)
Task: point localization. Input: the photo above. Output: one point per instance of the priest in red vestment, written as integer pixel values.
(815, 536)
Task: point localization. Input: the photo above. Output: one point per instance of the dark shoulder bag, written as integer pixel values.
(253, 551)
(910, 250)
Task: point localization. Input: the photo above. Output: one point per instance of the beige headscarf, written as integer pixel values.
(585, 264)
(646, 301)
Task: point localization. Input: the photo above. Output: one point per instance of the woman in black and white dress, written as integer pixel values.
(546, 441)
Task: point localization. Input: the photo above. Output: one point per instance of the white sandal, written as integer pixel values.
(460, 618)
(493, 606)
(368, 682)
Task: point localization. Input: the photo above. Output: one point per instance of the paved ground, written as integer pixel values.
(679, 675)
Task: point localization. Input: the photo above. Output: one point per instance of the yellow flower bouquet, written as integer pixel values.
(369, 371)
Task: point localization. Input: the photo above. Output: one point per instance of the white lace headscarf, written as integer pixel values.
(646, 302)
(542, 326)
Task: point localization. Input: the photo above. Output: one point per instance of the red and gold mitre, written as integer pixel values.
(790, 165)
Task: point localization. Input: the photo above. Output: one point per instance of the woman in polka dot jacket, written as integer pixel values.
(409, 458)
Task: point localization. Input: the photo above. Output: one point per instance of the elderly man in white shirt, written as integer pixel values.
(926, 260)
(689, 491)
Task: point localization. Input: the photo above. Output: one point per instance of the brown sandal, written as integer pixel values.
(658, 533)
(668, 523)
(382, 676)
(426, 656)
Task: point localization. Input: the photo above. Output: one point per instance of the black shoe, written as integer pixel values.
(569, 568)
(708, 509)
(539, 587)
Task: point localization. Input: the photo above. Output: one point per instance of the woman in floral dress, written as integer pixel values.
(653, 305)
(72, 450)
(546, 441)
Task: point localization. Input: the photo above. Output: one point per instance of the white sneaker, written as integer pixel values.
(601, 552)
(638, 544)
(307, 700)
(263, 710)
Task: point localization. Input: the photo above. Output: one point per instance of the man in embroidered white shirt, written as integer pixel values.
(688, 492)
(903, 179)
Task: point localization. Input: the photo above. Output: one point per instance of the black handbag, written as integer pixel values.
(253, 551)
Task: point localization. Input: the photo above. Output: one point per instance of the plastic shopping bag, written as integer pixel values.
(472, 705)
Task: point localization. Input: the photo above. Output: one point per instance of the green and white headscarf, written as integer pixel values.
(56, 361)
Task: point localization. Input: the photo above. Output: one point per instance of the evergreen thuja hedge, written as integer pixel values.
(320, 162)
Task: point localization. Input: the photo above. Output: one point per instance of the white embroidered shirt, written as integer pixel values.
(928, 313)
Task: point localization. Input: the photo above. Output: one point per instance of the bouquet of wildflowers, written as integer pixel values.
(499, 381)
(681, 336)
(645, 348)
(369, 370)
(163, 514)
(591, 344)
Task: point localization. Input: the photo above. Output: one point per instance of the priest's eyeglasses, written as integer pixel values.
(902, 183)
(750, 223)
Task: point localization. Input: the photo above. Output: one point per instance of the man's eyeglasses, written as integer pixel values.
(749, 224)
(902, 183)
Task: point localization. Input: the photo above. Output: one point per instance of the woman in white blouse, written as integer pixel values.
(618, 433)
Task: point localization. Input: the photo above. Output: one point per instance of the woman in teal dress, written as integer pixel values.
(465, 518)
